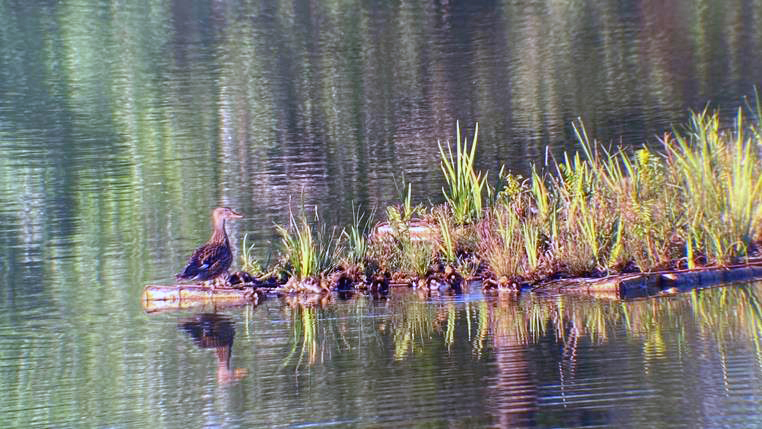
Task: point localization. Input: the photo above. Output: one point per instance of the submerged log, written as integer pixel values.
(178, 297)
(650, 284)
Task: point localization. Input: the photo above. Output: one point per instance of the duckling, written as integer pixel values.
(453, 278)
(241, 279)
(503, 283)
(213, 259)
(444, 280)
(379, 283)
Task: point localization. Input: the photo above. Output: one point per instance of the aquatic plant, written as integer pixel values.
(586, 231)
(466, 188)
(447, 244)
(595, 211)
(250, 263)
(530, 234)
(501, 245)
(407, 210)
(417, 257)
(621, 206)
(309, 250)
(721, 175)
(404, 211)
(356, 237)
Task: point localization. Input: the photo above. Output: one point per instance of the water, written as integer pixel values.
(122, 125)
(405, 361)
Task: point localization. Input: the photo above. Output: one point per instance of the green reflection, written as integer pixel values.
(413, 321)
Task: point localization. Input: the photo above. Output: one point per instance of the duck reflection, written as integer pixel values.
(215, 331)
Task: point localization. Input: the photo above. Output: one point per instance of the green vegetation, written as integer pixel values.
(309, 250)
(356, 238)
(696, 202)
(465, 187)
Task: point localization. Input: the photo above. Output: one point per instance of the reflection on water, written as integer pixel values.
(215, 331)
(535, 361)
(122, 125)
(508, 360)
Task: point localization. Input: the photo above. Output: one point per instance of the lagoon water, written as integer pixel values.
(123, 124)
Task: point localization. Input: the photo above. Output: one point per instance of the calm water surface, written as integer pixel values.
(122, 125)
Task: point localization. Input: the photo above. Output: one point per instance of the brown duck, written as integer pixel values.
(213, 258)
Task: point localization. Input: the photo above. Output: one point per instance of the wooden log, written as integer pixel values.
(650, 284)
(417, 229)
(178, 297)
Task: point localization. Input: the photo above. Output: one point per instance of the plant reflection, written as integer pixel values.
(428, 337)
(215, 331)
(306, 322)
(514, 394)
(503, 322)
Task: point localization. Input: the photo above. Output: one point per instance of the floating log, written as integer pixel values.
(650, 284)
(417, 229)
(178, 297)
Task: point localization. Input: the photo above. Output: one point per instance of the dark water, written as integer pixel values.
(122, 125)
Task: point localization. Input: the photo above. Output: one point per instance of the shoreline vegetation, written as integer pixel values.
(596, 212)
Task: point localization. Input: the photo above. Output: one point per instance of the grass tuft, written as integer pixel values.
(466, 188)
(309, 251)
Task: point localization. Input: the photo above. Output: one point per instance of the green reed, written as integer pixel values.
(248, 262)
(356, 237)
(447, 245)
(417, 257)
(530, 234)
(309, 250)
(466, 188)
(501, 245)
(721, 175)
(701, 199)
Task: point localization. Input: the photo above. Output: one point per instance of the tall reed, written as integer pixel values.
(720, 173)
(248, 262)
(356, 237)
(466, 189)
(501, 245)
(310, 251)
(447, 244)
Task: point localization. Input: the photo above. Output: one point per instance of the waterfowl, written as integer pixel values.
(213, 259)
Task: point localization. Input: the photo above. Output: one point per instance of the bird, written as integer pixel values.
(212, 260)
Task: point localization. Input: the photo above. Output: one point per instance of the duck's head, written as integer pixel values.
(224, 213)
(220, 215)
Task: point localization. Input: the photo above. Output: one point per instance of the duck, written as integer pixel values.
(212, 260)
